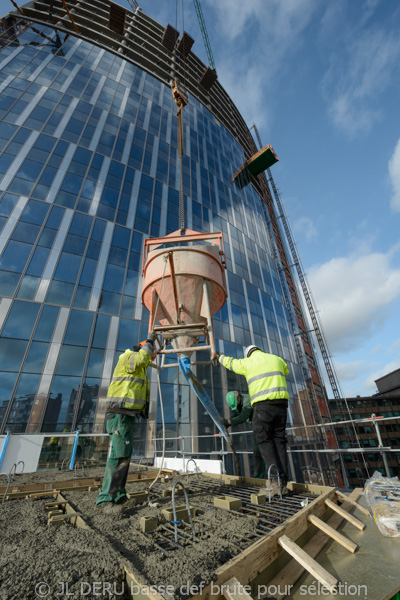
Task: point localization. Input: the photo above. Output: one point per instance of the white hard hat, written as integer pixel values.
(249, 350)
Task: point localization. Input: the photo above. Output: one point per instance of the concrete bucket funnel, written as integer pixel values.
(183, 287)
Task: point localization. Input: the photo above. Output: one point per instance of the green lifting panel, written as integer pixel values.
(258, 163)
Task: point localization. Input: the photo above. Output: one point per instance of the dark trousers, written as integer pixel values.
(269, 424)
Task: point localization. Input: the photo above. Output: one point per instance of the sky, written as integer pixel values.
(321, 82)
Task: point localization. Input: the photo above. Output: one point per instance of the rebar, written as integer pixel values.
(175, 522)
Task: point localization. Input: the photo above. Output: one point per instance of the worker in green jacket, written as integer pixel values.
(243, 413)
(128, 396)
(266, 379)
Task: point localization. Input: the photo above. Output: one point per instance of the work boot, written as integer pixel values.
(110, 508)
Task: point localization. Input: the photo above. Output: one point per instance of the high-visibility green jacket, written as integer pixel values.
(129, 390)
(265, 375)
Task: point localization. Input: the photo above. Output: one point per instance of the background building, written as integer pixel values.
(89, 169)
(384, 405)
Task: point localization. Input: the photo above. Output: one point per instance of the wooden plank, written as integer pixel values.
(139, 591)
(248, 564)
(343, 497)
(345, 514)
(234, 590)
(308, 563)
(338, 537)
(79, 522)
(293, 570)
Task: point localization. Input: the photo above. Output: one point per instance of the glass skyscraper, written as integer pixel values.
(88, 170)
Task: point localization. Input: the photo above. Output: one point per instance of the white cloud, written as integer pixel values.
(394, 173)
(359, 76)
(355, 296)
(305, 228)
(349, 370)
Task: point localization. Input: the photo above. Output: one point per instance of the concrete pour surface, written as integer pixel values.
(82, 563)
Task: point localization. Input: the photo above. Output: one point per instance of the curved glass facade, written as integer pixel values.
(88, 170)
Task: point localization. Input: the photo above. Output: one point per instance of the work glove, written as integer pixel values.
(151, 337)
(226, 423)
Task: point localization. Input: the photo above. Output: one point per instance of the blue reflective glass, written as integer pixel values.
(7, 385)
(71, 360)
(11, 354)
(47, 237)
(28, 287)
(109, 303)
(131, 283)
(81, 225)
(35, 212)
(55, 217)
(114, 278)
(98, 230)
(74, 244)
(60, 293)
(68, 267)
(21, 320)
(82, 297)
(7, 204)
(8, 282)
(95, 363)
(59, 411)
(93, 250)
(23, 400)
(117, 256)
(121, 237)
(101, 331)
(26, 232)
(79, 328)
(15, 256)
(36, 356)
(88, 272)
(46, 323)
(128, 334)
(38, 261)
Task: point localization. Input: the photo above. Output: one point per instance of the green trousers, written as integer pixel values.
(120, 429)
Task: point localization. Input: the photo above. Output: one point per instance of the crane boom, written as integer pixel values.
(204, 34)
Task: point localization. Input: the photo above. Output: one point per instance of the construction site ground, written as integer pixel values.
(34, 552)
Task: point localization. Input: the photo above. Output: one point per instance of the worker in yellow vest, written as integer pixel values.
(266, 379)
(128, 397)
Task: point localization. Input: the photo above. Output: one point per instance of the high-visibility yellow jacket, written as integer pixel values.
(129, 390)
(265, 375)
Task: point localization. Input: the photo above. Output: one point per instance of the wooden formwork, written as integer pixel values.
(255, 564)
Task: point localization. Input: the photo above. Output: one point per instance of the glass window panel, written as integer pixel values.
(110, 302)
(20, 320)
(7, 385)
(81, 225)
(7, 204)
(38, 261)
(95, 363)
(101, 331)
(36, 357)
(128, 335)
(117, 256)
(60, 407)
(82, 297)
(55, 217)
(114, 278)
(26, 232)
(8, 283)
(15, 256)
(47, 321)
(71, 360)
(35, 212)
(75, 244)
(93, 250)
(60, 293)
(128, 306)
(88, 271)
(28, 287)
(87, 406)
(79, 328)
(47, 237)
(11, 354)
(68, 267)
(131, 283)
(23, 400)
